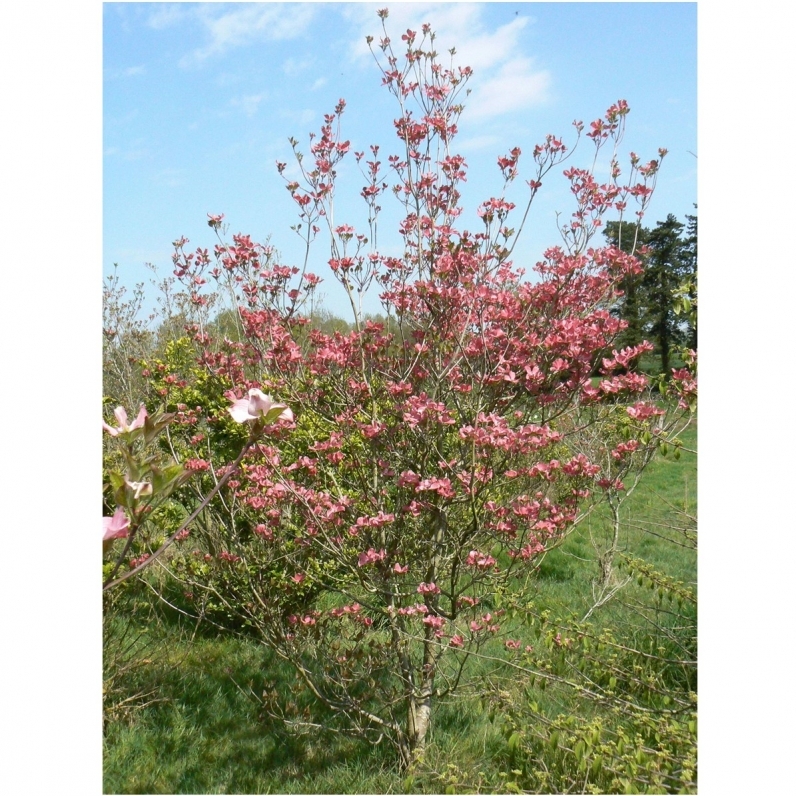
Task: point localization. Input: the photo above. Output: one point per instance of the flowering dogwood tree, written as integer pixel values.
(427, 463)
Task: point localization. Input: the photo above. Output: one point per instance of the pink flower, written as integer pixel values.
(642, 411)
(428, 588)
(124, 427)
(456, 641)
(134, 562)
(371, 557)
(408, 478)
(477, 559)
(258, 405)
(115, 527)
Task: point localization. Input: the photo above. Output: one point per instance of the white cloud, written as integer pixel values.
(130, 71)
(505, 78)
(246, 24)
(249, 103)
(302, 117)
(169, 178)
(513, 86)
(166, 14)
(478, 142)
(293, 67)
(137, 149)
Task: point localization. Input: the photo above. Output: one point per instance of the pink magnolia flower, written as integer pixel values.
(124, 427)
(115, 527)
(457, 640)
(258, 405)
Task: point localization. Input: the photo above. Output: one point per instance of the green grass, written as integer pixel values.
(208, 736)
(206, 733)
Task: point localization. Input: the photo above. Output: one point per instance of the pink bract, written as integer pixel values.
(121, 417)
(115, 527)
(257, 405)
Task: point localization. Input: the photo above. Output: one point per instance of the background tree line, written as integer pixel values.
(654, 301)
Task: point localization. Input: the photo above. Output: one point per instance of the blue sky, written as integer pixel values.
(200, 100)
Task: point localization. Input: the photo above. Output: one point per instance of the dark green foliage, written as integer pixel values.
(629, 238)
(668, 253)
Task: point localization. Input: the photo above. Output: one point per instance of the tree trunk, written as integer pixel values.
(418, 721)
(664, 343)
